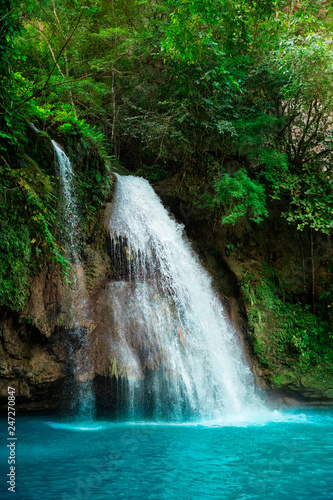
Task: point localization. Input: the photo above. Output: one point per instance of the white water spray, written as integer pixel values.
(167, 316)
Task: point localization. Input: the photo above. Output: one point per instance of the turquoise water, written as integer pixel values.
(280, 455)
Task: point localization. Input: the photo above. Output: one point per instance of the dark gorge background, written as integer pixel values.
(226, 108)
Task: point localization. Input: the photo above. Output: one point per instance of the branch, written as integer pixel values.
(313, 135)
(310, 158)
(306, 128)
(57, 18)
(289, 122)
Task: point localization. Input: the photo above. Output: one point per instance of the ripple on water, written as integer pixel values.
(280, 455)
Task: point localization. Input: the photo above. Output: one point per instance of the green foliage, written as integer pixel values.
(236, 196)
(311, 202)
(27, 218)
(306, 63)
(65, 121)
(14, 268)
(93, 190)
(200, 28)
(172, 86)
(287, 335)
(255, 133)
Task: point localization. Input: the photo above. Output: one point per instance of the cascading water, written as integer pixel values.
(173, 343)
(69, 210)
(35, 128)
(69, 217)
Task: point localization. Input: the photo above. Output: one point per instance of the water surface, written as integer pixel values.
(281, 455)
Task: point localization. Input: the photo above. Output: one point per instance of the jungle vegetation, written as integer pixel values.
(234, 97)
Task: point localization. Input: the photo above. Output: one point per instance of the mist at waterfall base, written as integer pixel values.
(289, 456)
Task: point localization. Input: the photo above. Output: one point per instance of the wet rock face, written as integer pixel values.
(26, 361)
(125, 340)
(37, 347)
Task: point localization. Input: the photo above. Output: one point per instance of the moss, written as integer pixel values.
(292, 346)
(114, 368)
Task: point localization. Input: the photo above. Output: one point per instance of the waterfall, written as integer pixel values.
(171, 340)
(83, 398)
(35, 128)
(69, 210)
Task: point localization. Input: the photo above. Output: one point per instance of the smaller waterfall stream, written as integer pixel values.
(35, 128)
(69, 217)
(68, 202)
(173, 342)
